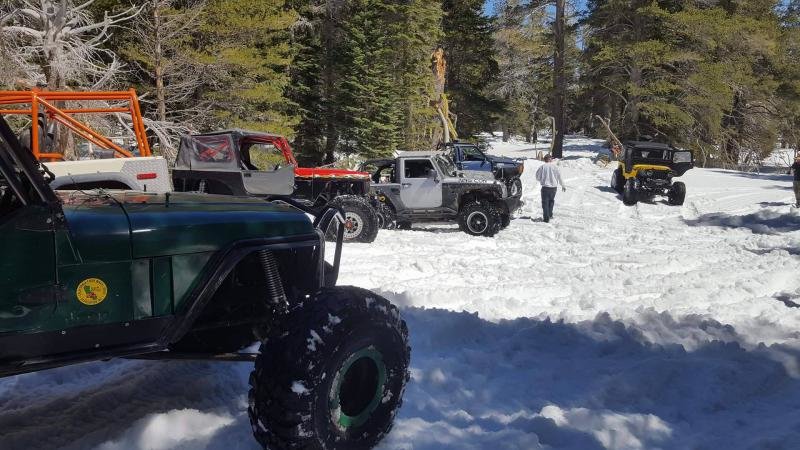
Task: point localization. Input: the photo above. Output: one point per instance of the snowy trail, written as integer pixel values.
(609, 328)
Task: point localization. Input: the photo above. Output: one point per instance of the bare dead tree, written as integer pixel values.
(161, 58)
(58, 43)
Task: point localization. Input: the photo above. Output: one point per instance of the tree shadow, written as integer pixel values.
(774, 204)
(573, 385)
(752, 175)
(476, 384)
(762, 222)
(608, 189)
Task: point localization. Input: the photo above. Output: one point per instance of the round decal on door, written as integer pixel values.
(92, 291)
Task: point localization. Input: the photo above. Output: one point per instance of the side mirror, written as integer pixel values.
(433, 175)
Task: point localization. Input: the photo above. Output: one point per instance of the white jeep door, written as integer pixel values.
(420, 185)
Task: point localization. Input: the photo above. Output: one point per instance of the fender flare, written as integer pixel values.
(221, 265)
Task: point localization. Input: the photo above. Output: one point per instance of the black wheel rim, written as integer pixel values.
(477, 222)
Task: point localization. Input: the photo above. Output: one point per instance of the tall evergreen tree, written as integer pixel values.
(361, 76)
(472, 65)
(524, 83)
(247, 57)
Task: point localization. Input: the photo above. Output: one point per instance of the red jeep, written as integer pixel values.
(251, 163)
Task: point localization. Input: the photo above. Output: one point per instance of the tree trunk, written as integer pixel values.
(559, 81)
(158, 64)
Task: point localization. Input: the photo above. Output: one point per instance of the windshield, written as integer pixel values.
(445, 165)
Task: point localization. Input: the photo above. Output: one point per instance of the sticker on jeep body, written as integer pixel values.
(92, 291)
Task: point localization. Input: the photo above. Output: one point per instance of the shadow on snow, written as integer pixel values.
(476, 384)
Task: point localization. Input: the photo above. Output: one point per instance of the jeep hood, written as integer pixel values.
(502, 160)
(181, 223)
(475, 175)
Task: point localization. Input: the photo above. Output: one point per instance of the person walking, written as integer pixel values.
(796, 170)
(549, 177)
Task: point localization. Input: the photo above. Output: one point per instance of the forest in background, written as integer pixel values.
(720, 77)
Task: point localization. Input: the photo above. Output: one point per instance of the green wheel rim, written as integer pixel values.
(351, 419)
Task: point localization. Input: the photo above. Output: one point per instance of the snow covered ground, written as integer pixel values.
(651, 327)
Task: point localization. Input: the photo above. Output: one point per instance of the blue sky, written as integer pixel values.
(581, 4)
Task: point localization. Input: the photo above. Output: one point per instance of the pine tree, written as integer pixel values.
(361, 77)
(472, 65)
(789, 76)
(524, 82)
(247, 58)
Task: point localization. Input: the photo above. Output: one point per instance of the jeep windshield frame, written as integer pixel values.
(19, 167)
(445, 165)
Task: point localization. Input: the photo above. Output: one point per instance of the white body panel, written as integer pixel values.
(135, 171)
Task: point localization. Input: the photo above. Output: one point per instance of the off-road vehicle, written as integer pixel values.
(468, 156)
(88, 276)
(238, 162)
(427, 187)
(647, 169)
(117, 162)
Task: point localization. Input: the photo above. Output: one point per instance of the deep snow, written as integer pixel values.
(609, 328)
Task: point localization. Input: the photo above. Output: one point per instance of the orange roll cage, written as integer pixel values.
(44, 102)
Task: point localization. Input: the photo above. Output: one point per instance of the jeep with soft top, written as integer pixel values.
(257, 164)
(427, 187)
(93, 275)
(647, 169)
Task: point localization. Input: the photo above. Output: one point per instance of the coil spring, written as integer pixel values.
(274, 286)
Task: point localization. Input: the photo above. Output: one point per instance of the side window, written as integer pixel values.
(417, 168)
(387, 175)
(380, 174)
(472, 154)
(265, 157)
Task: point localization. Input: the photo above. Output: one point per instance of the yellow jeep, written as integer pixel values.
(647, 169)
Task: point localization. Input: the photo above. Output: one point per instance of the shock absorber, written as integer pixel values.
(272, 276)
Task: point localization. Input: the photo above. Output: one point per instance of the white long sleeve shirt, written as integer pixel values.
(549, 176)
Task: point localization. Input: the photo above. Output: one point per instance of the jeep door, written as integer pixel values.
(420, 184)
(266, 171)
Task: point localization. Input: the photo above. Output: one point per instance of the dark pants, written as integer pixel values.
(797, 191)
(548, 201)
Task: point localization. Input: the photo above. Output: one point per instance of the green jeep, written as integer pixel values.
(94, 275)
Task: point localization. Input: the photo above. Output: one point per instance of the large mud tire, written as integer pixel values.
(677, 194)
(479, 219)
(335, 379)
(385, 216)
(617, 181)
(629, 195)
(515, 188)
(361, 222)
